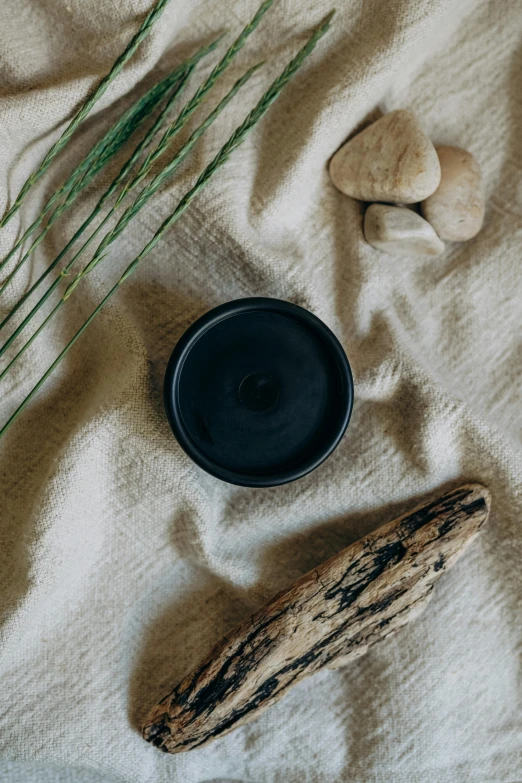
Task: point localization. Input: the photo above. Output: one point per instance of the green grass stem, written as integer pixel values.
(220, 159)
(176, 161)
(124, 171)
(150, 160)
(94, 162)
(82, 113)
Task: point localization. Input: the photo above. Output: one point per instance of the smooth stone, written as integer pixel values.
(391, 160)
(400, 232)
(456, 209)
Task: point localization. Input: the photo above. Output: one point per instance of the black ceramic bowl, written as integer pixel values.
(258, 392)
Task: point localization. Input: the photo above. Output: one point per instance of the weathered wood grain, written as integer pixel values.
(328, 617)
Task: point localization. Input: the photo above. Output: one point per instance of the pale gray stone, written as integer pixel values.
(400, 232)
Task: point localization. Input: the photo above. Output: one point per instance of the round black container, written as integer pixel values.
(258, 392)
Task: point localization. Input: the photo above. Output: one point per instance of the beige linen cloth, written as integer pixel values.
(121, 562)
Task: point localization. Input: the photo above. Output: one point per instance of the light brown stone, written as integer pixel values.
(392, 160)
(456, 209)
(400, 232)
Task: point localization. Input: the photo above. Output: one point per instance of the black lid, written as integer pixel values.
(258, 392)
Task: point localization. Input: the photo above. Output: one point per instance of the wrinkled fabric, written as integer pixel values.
(122, 563)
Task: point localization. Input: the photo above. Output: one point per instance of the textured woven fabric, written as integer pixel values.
(121, 562)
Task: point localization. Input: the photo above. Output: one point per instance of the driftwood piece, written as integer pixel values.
(328, 617)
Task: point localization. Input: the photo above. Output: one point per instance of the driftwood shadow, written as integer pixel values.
(302, 552)
(178, 638)
(183, 633)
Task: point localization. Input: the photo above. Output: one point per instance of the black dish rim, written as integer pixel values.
(175, 367)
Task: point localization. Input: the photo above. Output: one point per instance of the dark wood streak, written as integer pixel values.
(325, 619)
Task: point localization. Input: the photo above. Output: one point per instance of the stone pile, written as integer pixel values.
(392, 163)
